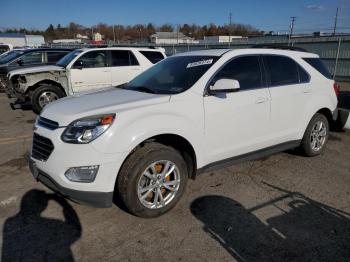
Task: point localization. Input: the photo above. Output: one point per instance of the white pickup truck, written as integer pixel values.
(81, 70)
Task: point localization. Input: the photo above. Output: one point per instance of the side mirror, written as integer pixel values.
(20, 62)
(224, 86)
(78, 65)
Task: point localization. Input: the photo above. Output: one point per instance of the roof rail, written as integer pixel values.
(284, 47)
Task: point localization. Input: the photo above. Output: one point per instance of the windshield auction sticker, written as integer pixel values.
(200, 63)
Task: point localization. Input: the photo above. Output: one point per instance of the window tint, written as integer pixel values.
(319, 66)
(93, 59)
(303, 75)
(282, 70)
(153, 56)
(53, 57)
(246, 70)
(32, 58)
(123, 58)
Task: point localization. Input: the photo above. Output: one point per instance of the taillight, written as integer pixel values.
(336, 87)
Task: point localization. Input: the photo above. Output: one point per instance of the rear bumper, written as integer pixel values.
(96, 199)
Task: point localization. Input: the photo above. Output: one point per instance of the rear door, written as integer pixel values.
(124, 66)
(238, 123)
(289, 89)
(52, 57)
(90, 71)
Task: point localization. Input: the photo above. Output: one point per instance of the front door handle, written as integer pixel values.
(261, 100)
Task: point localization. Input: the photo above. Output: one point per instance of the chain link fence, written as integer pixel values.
(333, 50)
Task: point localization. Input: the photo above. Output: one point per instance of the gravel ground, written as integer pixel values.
(281, 208)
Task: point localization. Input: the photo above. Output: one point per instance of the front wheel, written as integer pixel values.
(316, 136)
(44, 95)
(152, 180)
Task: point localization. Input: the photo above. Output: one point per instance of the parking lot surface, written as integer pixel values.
(282, 208)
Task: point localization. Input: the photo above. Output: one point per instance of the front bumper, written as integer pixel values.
(51, 171)
(96, 199)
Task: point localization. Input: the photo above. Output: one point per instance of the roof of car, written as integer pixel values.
(45, 49)
(221, 52)
(124, 48)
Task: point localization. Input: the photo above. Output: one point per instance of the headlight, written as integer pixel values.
(85, 130)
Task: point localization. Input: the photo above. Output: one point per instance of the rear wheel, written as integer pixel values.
(316, 136)
(44, 95)
(152, 180)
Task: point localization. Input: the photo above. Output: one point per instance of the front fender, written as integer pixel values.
(131, 129)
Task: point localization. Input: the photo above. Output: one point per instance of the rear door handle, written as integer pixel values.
(261, 100)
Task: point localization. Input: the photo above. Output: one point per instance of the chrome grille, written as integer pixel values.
(47, 123)
(42, 147)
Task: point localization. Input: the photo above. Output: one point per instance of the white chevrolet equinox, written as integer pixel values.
(188, 114)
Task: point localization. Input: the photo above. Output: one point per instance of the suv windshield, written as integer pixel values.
(64, 61)
(8, 57)
(172, 75)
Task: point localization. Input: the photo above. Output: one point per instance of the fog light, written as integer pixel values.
(85, 174)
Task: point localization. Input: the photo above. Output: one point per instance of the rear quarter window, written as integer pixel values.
(319, 66)
(282, 70)
(153, 56)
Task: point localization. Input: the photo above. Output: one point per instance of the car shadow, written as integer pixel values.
(28, 236)
(303, 229)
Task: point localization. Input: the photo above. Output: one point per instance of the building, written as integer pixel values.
(172, 38)
(67, 41)
(80, 36)
(21, 40)
(217, 39)
(97, 37)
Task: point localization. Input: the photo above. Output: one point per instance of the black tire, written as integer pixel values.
(339, 123)
(306, 145)
(37, 108)
(132, 170)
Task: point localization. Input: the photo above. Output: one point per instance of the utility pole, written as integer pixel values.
(229, 29)
(113, 35)
(335, 21)
(291, 27)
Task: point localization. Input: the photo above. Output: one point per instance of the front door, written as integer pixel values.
(90, 72)
(239, 122)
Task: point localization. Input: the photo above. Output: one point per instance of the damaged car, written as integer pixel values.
(80, 71)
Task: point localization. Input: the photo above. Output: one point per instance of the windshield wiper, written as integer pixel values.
(141, 89)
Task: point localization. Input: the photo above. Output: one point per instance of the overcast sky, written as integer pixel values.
(263, 14)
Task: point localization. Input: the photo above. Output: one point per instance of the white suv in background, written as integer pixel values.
(188, 114)
(80, 71)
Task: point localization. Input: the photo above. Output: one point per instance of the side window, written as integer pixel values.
(304, 77)
(31, 58)
(53, 57)
(319, 66)
(246, 70)
(92, 59)
(282, 70)
(153, 56)
(123, 58)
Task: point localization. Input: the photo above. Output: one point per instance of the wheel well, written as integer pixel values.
(180, 144)
(327, 113)
(47, 82)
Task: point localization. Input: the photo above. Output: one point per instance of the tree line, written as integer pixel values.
(138, 32)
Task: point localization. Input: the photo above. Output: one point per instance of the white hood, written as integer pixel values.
(114, 100)
(36, 69)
